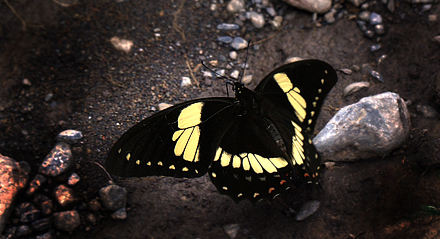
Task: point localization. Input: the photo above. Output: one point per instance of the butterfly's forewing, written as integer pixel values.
(300, 87)
(179, 141)
(294, 94)
(249, 163)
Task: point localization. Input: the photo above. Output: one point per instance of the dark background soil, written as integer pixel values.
(102, 92)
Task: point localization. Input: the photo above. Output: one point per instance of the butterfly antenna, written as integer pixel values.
(245, 61)
(228, 80)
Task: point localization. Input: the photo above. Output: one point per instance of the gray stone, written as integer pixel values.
(42, 224)
(23, 230)
(373, 127)
(355, 87)
(67, 220)
(316, 6)
(57, 161)
(73, 179)
(257, 19)
(426, 111)
(225, 39)
(113, 197)
(235, 6)
(12, 180)
(239, 43)
(364, 16)
(227, 26)
(70, 136)
(35, 184)
(375, 18)
(120, 214)
(307, 210)
(231, 230)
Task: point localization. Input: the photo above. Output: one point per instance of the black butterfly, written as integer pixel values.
(250, 145)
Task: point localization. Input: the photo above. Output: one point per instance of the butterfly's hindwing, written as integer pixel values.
(179, 141)
(249, 164)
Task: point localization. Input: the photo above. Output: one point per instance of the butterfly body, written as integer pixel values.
(250, 145)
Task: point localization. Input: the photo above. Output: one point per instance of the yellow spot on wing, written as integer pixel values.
(181, 143)
(214, 175)
(177, 134)
(149, 164)
(191, 147)
(246, 165)
(217, 154)
(225, 159)
(236, 161)
(185, 169)
(266, 163)
(128, 157)
(293, 94)
(138, 162)
(172, 167)
(256, 195)
(190, 116)
(159, 163)
(225, 188)
(119, 150)
(254, 163)
(279, 162)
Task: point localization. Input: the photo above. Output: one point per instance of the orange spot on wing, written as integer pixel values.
(306, 175)
(282, 182)
(271, 190)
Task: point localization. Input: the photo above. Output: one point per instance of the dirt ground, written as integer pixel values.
(102, 92)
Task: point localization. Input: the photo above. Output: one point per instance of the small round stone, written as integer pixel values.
(369, 33)
(257, 19)
(375, 47)
(225, 39)
(375, 18)
(364, 16)
(239, 43)
(379, 29)
(233, 55)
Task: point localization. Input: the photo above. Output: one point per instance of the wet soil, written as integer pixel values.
(102, 92)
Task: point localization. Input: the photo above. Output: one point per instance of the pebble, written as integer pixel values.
(246, 79)
(44, 203)
(239, 43)
(48, 97)
(257, 19)
(376, 75)
(375, 18)
(369, 34)
(375, 47)
(186, 81)
(35, 184)
(67, 220)
(70, 136)
(231, 230)
(379, 29)
(293, 59)
(426, 111)
(330, 16)
(233, 55)
(225, 39)
(271, 11)
(277, 22)
(27, 82)
(381, 58)
(355, 87)
(163, 106)
(307, 210)
(364, 16)
(235, 6)
(73, 179)
(113, 197)
(235, 74)
(346, 71)
(120, 214)
(361, 25)
(29, 215)
(23, 230)
(57, 161)
(42, 224)
(64, 195)
(121, 44)
(426, 7)
(228, 26)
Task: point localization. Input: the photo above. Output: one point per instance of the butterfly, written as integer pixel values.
(252, 145)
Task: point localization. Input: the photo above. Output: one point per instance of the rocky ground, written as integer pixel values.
(59, 70)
